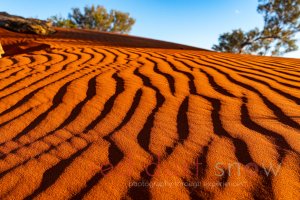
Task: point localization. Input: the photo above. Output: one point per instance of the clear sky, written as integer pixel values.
(192, 22)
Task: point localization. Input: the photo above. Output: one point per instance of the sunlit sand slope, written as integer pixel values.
(87, 115)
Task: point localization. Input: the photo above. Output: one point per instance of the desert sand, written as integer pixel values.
(89, 115)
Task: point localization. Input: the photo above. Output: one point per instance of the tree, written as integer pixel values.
(281, 23)
(121, 22)
(96, 18)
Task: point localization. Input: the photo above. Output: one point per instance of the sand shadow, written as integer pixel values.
(23, 48)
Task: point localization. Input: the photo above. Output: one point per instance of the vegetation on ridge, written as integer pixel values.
(281, 23)
(96, 18)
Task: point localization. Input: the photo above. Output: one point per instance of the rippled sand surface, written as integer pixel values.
(88, 115)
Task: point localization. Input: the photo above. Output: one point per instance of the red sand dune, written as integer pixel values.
(89, 115)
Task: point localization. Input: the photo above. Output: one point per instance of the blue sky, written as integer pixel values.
(192, 22)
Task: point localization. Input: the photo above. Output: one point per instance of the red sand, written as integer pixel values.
(94, 115)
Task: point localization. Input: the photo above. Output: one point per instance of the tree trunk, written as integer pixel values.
(1, 50)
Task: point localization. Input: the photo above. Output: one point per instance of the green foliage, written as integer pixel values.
(121, 22)
(96, 18)
(58, 21)
(281, 23)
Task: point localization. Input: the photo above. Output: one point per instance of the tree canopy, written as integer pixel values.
(281, 23)
(96, 18)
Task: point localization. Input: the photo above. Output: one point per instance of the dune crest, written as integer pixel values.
(90, 115)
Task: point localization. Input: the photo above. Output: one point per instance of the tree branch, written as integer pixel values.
(248, 42)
